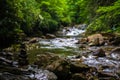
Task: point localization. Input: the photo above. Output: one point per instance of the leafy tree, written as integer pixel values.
(54, 13)
(107, 20)
(17, 17)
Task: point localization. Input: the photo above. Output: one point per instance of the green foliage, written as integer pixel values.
(54, 13)
(28, 11)
(107, 19)
(9, 26)
(17, 17)
(31, 16)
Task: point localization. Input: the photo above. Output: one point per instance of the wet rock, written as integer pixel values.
(115, 41)
(78, 76)
(115, 53)
(4, 61)
(32, 73)
(43, 37)
(82, 26)
(82, 46)
(7, 55)
(43, 75)
(50, 36)
(45, 59)
(96, 40)
(99, 53)
(50, 75)
(33, 40)
(22, 57)
(61, 68)
(108, 76)
(82, 41)
(84, 76)
(9, 76)
(77, 67)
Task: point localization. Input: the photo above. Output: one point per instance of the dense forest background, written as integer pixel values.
(20, 18)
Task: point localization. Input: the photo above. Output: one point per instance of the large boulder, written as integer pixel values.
(77, 67)
(61, 68)
(95, 40)
(45, 59)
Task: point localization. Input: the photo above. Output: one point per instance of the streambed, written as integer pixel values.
(67, 39)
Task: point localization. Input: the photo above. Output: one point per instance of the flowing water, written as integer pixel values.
(67, 39)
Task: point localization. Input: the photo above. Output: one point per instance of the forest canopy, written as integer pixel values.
(36, 17)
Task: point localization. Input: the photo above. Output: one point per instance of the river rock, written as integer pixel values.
(85, 76)
(82, 46)
(7, 55)
(78, 76)
(22, 57)
(99, 53)
(33, 40)
(50, 36)
(82, 26)
(115, 41)
(44, 59)
(9, 76)
(82, 41)
(77, 67)
(108, 76)
(4, 61)
(61, 68)
(95, 40)
(115, 53)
